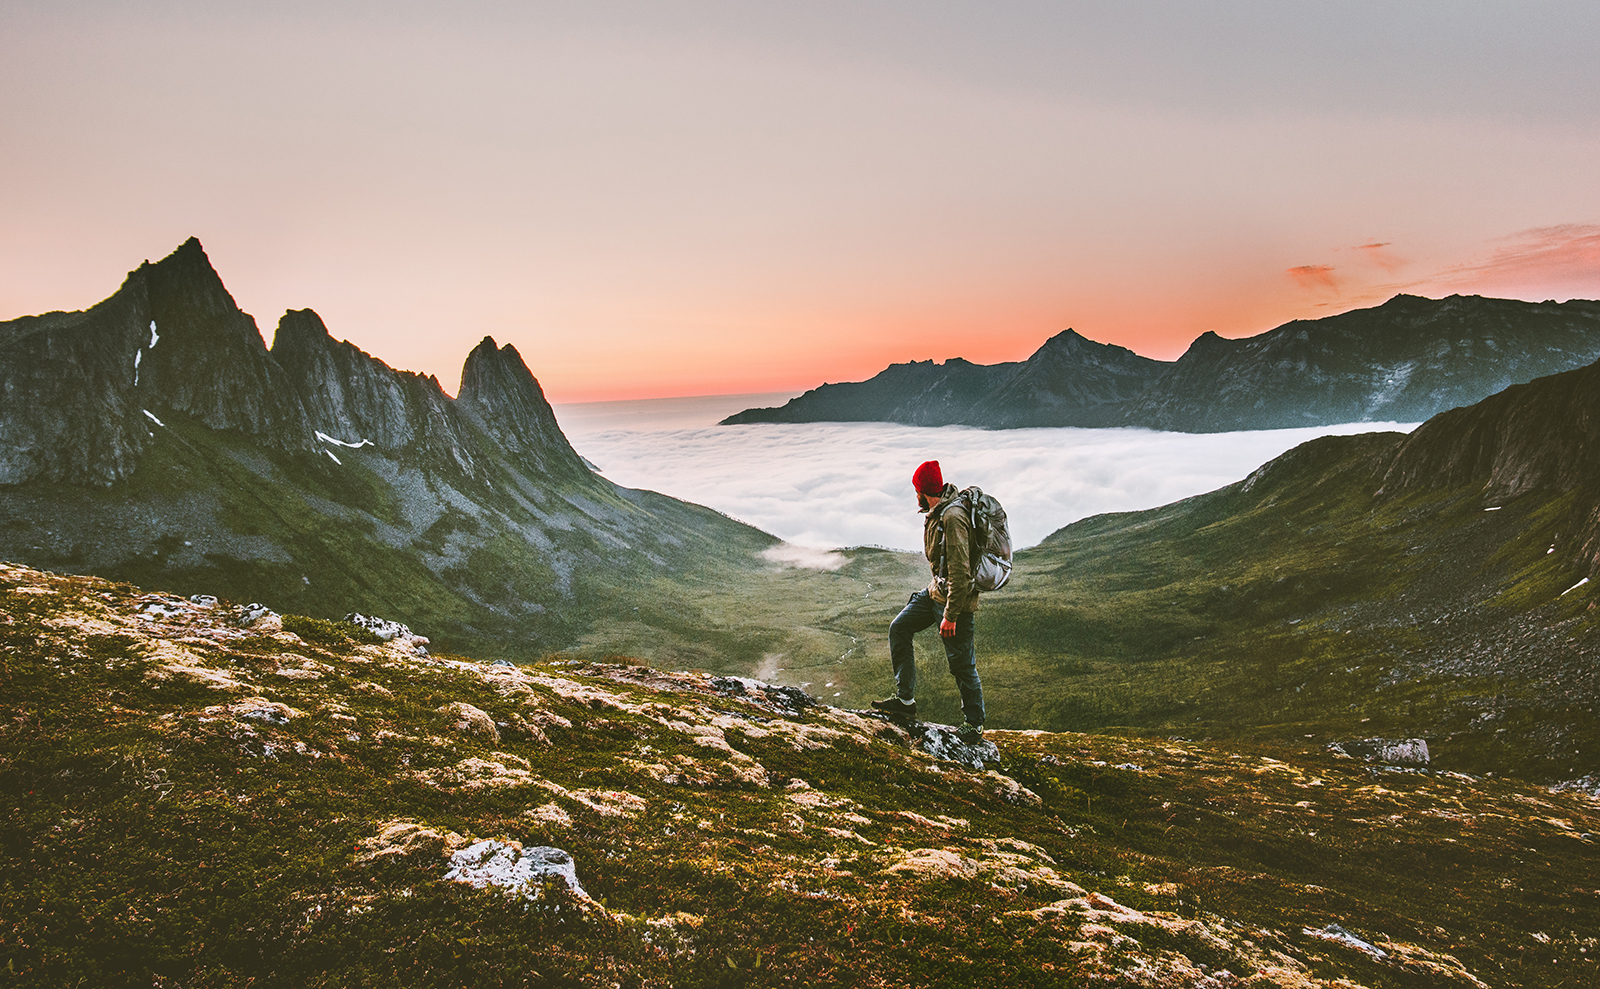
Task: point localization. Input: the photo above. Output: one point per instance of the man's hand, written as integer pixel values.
(947, 628)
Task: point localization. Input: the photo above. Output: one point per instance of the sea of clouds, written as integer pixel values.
(825, 485)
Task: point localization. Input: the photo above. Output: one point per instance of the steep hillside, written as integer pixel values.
(1434, 585)
(155, 438)
(197, 795)
(1403, 361)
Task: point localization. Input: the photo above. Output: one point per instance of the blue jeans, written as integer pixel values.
(960, 653)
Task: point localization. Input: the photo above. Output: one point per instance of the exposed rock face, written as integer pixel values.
(1403, 361)
(354, 397)
(208, 360)
(500, 395)
(170, 339)
(67, 381)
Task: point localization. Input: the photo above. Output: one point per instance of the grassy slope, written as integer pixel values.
(1299, 607)
(1295, 607)
(342, 537)
(156, 835)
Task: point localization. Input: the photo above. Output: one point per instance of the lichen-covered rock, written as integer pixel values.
(401, 838)
(1170, 878)
(509, 866)
(256, 709)
(1393, 751)
(474, 773)
(470, 720)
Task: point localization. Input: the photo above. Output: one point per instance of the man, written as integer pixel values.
(950, 600)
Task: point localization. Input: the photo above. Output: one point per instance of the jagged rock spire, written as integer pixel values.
(503, 398)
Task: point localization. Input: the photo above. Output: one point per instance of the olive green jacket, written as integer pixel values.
(948, 522)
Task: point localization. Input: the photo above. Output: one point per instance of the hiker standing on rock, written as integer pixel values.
(949, 600)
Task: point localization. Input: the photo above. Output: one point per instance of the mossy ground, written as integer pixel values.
(159, 832)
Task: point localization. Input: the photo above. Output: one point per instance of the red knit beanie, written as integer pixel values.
(927, 478)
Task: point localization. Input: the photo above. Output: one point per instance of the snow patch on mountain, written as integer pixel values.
(324, 437)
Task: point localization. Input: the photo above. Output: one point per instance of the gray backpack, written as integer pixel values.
(990, 551)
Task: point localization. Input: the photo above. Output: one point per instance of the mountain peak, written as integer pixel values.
(504, 398)
(492, 373)
(188, 262)
(299, 330)
(1208, 342)
(1068, 341)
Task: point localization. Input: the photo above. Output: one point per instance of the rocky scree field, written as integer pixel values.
(201, 794)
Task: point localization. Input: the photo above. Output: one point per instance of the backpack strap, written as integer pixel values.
(944, 556)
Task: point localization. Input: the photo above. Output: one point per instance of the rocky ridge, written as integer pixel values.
(202, 794)
(84, 389)
(1403, 361)
(1069, 381)
(155, 437)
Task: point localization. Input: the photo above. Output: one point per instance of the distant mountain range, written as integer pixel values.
(155, 438)
(1403, 361)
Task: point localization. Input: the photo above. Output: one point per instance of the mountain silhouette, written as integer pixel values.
(1402, 361)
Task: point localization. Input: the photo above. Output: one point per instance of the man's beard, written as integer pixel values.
(922, 503)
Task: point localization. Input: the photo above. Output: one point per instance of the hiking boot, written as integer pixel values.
(969, 733)
(896, 708)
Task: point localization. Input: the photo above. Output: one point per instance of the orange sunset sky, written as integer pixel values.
(654, 199)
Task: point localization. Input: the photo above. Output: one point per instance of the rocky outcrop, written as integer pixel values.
(205, 358)
(350, 397)
(815, 846)
(67, 379)
(84, 390)
(81, 388)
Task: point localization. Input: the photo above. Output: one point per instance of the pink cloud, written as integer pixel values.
(1569, 253)
(1378, 254)
(1314, 276)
